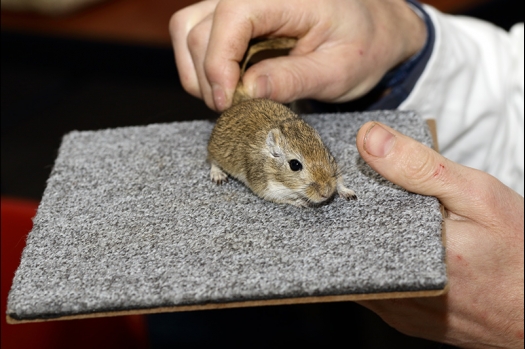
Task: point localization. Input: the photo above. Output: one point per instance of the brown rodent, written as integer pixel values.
(272, 150)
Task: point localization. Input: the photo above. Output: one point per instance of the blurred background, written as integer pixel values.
(93, 64)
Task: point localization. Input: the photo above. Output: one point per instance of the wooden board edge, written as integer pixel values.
(243, 304)
(432, 126)
(433, 131)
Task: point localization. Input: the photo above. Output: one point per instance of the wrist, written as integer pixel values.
(416, 31)
(417, 51)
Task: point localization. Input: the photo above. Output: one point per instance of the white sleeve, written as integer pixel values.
(473, 86)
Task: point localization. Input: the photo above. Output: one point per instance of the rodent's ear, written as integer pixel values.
(274, 142)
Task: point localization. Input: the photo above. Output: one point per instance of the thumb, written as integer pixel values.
(419, 169)
(296, 76)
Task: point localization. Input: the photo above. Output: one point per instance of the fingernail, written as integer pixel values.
(378, 141)
(219, 97)
(263, 88)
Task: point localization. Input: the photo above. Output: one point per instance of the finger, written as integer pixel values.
(180, 25)
(235, 22)
(198, 39)
(419, 169)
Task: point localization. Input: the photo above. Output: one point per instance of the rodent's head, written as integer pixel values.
(300, 168)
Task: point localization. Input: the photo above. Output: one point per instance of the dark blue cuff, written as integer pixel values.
(401, 80)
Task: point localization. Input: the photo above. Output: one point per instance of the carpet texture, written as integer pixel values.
(130, 220)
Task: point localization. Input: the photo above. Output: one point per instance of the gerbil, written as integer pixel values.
(272, 150)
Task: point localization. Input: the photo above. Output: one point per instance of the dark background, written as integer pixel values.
(51, 85)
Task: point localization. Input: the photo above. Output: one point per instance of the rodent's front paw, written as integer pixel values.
(346, 193)
(217, 175)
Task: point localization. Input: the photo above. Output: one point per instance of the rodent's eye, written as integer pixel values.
(295, 165)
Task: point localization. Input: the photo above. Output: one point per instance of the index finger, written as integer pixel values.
(235, 23)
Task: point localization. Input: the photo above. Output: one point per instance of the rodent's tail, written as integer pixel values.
(240, 93)
(276, 44)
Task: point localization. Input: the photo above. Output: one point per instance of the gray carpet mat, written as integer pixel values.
(130, 220)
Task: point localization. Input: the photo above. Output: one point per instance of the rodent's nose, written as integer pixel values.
(326, 192)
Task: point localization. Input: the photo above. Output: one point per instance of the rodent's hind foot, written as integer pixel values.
(217, 175)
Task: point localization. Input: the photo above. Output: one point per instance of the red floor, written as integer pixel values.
(114, 332)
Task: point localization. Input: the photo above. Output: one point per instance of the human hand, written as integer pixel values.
(484, 241)
(344, 47)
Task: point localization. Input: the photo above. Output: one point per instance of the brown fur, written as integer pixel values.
(254, 140)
